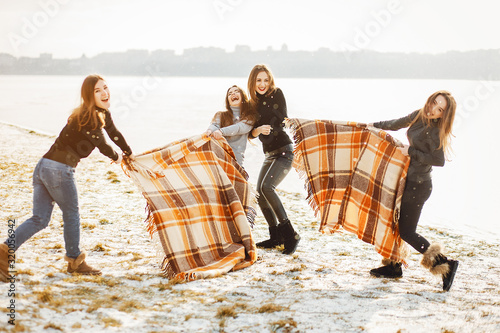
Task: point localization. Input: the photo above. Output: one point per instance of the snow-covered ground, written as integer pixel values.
(323, 287)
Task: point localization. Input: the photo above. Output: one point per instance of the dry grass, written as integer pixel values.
(137, 256)
(53, 327)
(108, 321)
(269, 308)
(99, 248)
(129, 306)
(134, 277)
(45, 296)
(25, 271)
(298, 268)
(113, 177)
(88, 225)
(104, 222)
(226, 311)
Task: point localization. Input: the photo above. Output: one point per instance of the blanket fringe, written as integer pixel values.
(167, 269)
(127, 165)
(150, 220)
(250, 210)
(299, 167)
(251, 214)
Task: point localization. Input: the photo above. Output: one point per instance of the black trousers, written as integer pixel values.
(274, 169)
(414, 197)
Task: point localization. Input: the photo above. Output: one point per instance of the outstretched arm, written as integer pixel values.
(396, 124)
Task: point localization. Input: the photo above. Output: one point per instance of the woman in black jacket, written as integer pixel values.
(429, 132)
(53, 178)
(270, 104)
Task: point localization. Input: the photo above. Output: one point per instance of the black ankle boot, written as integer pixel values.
(448, 277)
(291, 238)
(390, 270)
(438, 264)
(449, 274)
(275, 240)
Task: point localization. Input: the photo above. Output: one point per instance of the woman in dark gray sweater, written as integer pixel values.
(429, 132)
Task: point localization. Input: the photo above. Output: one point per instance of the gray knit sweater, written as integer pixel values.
(236, 134)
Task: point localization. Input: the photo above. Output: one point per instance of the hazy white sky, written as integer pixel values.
(70, 28)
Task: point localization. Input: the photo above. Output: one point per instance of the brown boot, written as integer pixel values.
(432, 260)
(4, 263)
(79, 266)
(390, 269)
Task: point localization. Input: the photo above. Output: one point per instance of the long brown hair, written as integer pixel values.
(247, 113)
(252, 83)
(445, 123)
(85, 114)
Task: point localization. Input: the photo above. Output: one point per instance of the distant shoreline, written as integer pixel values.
(29, 129)
(216, 62)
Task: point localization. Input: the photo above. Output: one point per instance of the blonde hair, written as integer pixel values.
(252, 83)
(445, 123)
(85, 114)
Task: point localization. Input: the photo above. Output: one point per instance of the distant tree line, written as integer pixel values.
(212, 61)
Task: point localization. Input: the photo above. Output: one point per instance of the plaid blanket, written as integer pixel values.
(200, 207)
(354, 178)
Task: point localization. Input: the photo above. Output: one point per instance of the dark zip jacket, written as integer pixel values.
(272, 111)
(72, 144)
(424, 142)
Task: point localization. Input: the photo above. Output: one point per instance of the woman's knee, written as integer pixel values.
(71, 217)
(39, 222)
(410, 236)
(267, 188)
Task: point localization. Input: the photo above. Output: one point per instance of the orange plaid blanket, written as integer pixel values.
(354, 178)
(200, 207)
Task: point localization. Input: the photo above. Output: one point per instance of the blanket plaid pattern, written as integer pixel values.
(354, 178)
(200, 207)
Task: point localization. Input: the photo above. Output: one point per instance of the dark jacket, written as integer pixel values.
(272, 111)
(424, 142)
(72, 145)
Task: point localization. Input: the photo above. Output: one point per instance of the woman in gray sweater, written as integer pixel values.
(235, 122)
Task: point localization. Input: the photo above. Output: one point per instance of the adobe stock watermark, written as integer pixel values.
(482, 92)
(11, 261)
(139, 93)
(223, 6)
(30, 27)
(363, 37)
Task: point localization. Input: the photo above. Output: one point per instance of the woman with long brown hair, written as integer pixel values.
(429, 133)
(53, 177)
(270, 104)
(235, 122)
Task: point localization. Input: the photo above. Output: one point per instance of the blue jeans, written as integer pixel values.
(53, 182)
(274, 169)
